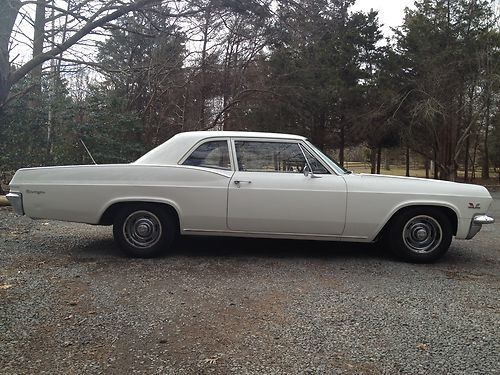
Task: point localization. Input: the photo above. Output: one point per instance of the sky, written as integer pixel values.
(391, 12)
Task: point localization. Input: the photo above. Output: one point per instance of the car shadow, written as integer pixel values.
(271, 248)
(229, 247)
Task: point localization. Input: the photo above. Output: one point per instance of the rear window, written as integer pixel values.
(212, 154)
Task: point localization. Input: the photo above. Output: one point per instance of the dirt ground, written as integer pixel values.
(70, 303)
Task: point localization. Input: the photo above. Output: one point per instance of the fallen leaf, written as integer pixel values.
(422, 346)
(5, 286)
(211, 361)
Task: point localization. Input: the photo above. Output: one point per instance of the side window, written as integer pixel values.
(214, 154)
(254, 156)
(315, 164)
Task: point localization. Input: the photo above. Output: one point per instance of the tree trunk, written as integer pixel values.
(373, 160)
(485, 174)
(387, 161)
(436, 169)
(342, 145)
(466, 160)
(203, 90)
(319, 131)
(8, 14)
(407, 162)
(474, 155)
(53, 90)
(38, 38)
(379, 158)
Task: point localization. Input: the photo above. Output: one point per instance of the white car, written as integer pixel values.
(250, 184)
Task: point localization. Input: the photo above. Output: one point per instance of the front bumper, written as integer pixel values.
(16, 201)
(476, 224)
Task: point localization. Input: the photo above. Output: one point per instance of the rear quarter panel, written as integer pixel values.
(83, 193)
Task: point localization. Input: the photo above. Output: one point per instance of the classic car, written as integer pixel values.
(250, 184)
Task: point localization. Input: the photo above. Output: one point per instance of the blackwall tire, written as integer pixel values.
(144, 230)
(420, 235)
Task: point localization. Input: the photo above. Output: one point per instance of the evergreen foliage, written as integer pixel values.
(308, 67)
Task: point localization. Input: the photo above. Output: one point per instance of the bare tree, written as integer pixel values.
(80, 19)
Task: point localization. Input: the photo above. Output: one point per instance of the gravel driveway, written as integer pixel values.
(70, 303)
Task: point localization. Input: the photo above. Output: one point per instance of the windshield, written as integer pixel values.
(337, 168)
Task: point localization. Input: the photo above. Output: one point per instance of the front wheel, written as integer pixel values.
(144, 230)
(420, 234)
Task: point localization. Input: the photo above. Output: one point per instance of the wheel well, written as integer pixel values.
(108, 216)
(450, 214)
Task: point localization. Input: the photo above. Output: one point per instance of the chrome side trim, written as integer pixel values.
(284, 235)
(260, 233)
(476, 224)
(16, 201)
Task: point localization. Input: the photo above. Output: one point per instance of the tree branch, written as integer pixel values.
(41, 58)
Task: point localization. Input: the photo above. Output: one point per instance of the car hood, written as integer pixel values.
(414, 185)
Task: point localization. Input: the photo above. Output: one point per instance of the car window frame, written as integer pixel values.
(299, 142)
(202, 142)
(317, 159)
(319, 155)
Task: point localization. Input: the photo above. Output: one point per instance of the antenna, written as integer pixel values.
(88, 152)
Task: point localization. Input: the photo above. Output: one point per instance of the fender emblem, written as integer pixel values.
(37, 192)
(474, 206)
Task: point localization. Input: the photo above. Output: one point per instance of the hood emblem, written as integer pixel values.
(474, 206)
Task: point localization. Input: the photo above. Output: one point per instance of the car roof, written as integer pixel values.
(172, 150)
(214, 133)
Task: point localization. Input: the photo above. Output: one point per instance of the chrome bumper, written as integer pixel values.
(483, 219)
(477, 223)
(16, 201)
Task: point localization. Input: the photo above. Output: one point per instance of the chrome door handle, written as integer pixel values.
(237, 182)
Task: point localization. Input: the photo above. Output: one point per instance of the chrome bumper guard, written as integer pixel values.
(483, 219)
(477, 223)
(16, 201)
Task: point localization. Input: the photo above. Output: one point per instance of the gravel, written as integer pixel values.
(70, 303)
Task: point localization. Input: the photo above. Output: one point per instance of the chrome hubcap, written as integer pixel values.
(142, 229)
(422, 234)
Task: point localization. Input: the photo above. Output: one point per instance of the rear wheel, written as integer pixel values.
(144, 230)
(420, 234)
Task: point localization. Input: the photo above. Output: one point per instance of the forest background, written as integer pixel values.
(124, 76)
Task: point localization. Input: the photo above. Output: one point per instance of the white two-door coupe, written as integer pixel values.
(251, 185)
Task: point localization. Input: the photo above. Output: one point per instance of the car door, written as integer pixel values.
(200, 190)
(269, 191)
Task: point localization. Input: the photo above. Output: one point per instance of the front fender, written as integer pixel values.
(414, 203)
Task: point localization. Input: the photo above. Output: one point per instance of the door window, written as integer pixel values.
(213, 154)
(269, 157)
(315, 164)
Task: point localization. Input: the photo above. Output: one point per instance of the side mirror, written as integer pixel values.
(307, 171)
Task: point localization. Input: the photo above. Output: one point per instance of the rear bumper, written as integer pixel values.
(477, 222)
(16, 201)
